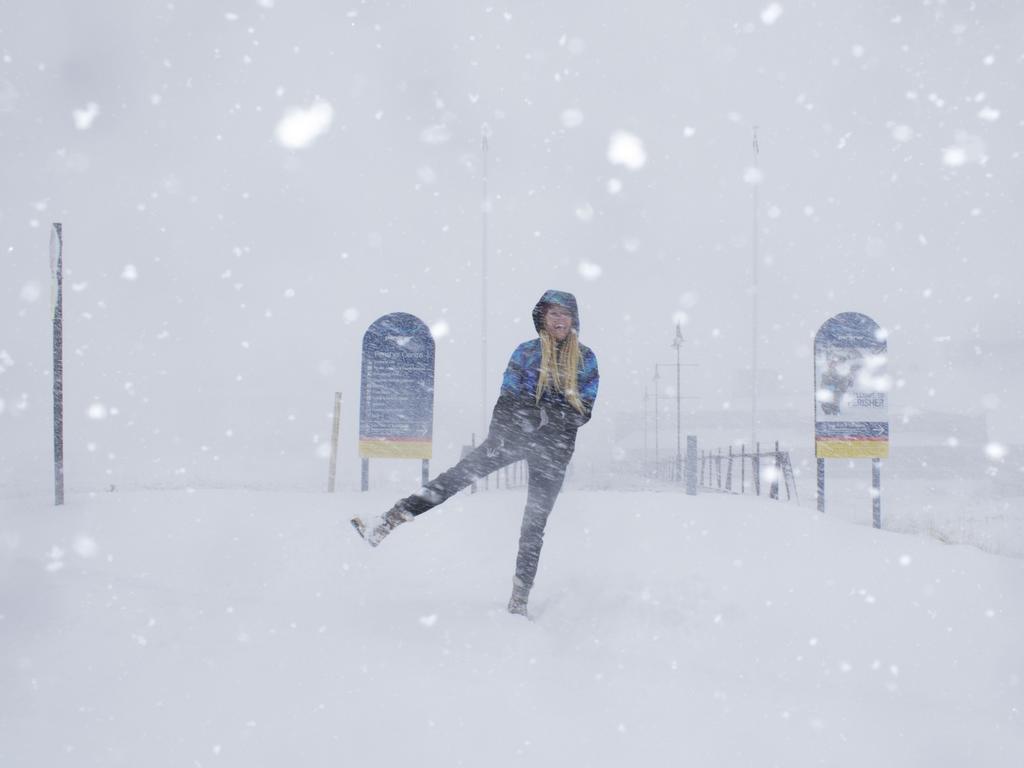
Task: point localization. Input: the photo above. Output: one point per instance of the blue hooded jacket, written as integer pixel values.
(517, 409)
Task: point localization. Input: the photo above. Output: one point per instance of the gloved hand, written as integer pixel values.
(514, 416)
(561, 414)
(527, 418)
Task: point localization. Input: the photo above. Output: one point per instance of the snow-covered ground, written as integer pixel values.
(245, 628)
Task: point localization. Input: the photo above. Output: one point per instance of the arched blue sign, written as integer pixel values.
(396, 404)
(851, 389)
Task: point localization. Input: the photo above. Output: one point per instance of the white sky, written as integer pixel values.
(223, 263)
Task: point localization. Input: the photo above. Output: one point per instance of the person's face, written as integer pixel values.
(558, 322)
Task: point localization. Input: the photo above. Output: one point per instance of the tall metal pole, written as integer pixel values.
(754, 289)
(57, 300)
(484, 210)
(657, 378)
(645, 429)
(678, 344)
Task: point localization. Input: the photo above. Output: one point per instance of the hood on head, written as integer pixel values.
(563, 299)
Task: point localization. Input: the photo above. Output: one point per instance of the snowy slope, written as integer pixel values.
(240, 628)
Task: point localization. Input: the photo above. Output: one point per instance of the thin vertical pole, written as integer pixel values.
(774, 490)
(365, 476)
(57, 297)
(743, 468)
(754, 298)
(678, 344)
(645, 431)
(472, 442)
(821, 486)
(333, 468)
(484, 211)
(657, 378)
(425, 471)
(876, 493)
(756, 468)
(728, 472)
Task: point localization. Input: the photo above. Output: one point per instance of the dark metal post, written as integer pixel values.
(876, 492)
(821, 485)
(57, 276)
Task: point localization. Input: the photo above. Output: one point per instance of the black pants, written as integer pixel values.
(547, 453)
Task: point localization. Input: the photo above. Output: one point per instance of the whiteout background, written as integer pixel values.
(246, 186)
(219, 282)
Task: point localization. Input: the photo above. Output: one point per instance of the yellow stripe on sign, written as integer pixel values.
(400, 449)
(852, 449)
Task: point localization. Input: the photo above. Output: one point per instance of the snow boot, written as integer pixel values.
(520, 596)
(374, 529)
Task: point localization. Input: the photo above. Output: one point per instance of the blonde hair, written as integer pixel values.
(559, 368)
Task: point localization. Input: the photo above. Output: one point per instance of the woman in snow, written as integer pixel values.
(547, 393)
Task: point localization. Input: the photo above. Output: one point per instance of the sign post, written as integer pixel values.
(396, 404)
(57, 308)
(851, 401)
(691, 465)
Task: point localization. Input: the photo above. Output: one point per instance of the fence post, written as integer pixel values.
(756, 468)
(719, 467)
(332, 468)
(728, 472)
(743, 467)
(774, 488)
(472, 442)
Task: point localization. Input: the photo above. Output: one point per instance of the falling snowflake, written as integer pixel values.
(85, 117)
(299, 127)
(627, 149)
(771, 13)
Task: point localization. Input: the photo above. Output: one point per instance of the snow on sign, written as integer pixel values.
(851, 400)
(396, 404)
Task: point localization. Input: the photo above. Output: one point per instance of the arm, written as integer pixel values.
(515, 412)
